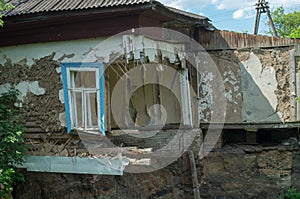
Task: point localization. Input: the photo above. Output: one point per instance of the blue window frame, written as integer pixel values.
(83, 86)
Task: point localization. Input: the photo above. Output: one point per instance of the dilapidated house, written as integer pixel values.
(136, 86)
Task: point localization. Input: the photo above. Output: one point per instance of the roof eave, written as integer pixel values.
(158, 7)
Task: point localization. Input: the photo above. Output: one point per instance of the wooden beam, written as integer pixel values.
(194, 175)
(292, 85)
(298, 95)
(246, 126)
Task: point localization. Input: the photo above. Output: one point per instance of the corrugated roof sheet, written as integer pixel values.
(35, 6)
(40, 6)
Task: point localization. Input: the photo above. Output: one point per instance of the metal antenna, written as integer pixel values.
(262, 7)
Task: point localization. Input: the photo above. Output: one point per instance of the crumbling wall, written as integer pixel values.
(233, 172)
(256, 80)
(39, 85)
(256, 83)
(35, 70)
(249, 172)
(279, 60)
(171, 182)
(228, 66)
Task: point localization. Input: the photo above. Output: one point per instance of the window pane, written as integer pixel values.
(84, 79)
(92, 109)
(77, 110)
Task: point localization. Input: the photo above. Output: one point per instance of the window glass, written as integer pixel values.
(77, 111)
(84, 79)
(92, 109)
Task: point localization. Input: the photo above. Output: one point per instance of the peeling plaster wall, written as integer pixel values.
(206, 96)
(35, 71)
(23, 87)
(67, 51)
(256, 84)
(39, 85)
(228, 66)
(256, 81)
(36, 68)
(274, 86)
(258, 87)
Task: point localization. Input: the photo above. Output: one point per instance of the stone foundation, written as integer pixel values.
(238, 171)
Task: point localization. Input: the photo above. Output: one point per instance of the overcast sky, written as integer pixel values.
(231, 14)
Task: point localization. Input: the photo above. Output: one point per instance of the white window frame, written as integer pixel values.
(85, 92)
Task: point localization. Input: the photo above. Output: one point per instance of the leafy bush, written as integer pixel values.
(291, 194)
(12, 148)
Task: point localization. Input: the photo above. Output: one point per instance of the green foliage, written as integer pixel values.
(291, 194)
(295, 33)
(4, 6)
(6, 179)
(12, 148)
(286, 25)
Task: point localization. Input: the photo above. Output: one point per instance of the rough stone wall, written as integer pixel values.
(171, 182)
(233, 172)
(249, 172)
